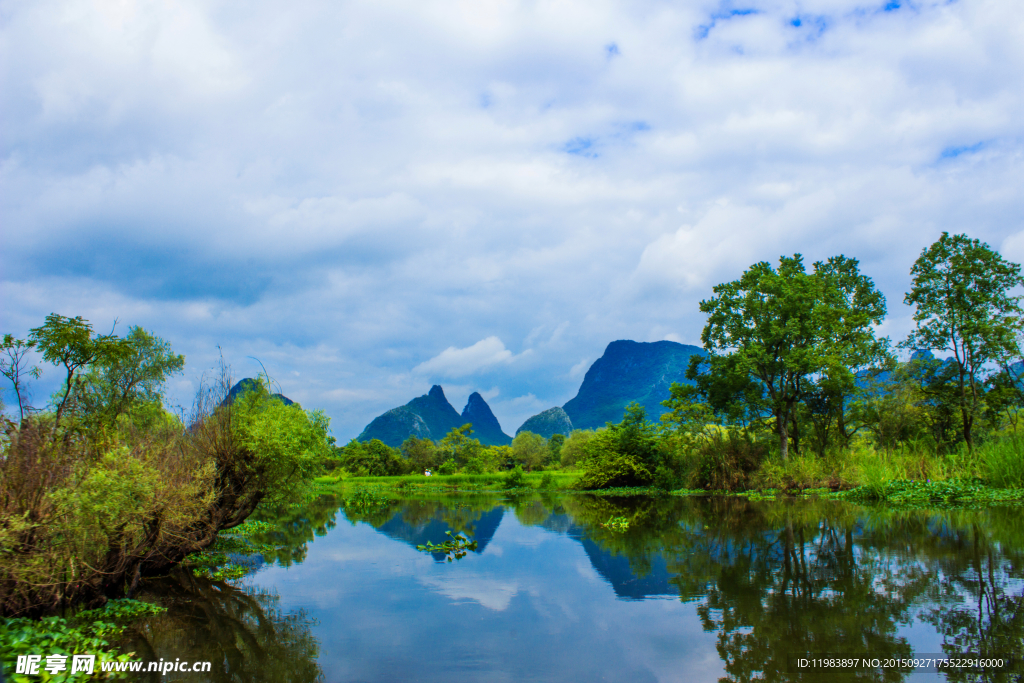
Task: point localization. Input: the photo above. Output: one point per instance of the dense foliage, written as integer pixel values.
(796, 390)
(105, 485)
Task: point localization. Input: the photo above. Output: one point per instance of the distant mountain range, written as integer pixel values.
(431, 416)
(628, 371)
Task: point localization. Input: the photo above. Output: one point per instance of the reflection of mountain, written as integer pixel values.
(615, 569)
(482, 530)
(627, 585)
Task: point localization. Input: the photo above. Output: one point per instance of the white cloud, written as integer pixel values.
(343, 189)
(455, 362)
(579, 368)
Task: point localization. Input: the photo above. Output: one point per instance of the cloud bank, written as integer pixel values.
(343, 189)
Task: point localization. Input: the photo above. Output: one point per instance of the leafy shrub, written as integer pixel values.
(665, 478)
(726, 464)
(84, 515)
(447, 467)
(614, 470)
(515, 479)
(84, 633)
(623, 455)
(530, 450)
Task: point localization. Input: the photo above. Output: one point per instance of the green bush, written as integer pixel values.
(614, 470)
(626, 454)
(515, 479)
(665, 478)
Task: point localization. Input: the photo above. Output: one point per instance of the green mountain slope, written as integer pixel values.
(551, 421)
(629, 371)
(431, 416)
(485, 426)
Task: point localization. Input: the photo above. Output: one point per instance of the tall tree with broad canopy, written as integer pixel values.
(794, 332)
(961, 292)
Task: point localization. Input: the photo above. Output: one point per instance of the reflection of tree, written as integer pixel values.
(241, 632)
(798, 593)
(653, 525)
(777, 580)
(295, 527)
(980, 614)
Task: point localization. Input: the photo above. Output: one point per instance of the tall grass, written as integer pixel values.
(1001, 462)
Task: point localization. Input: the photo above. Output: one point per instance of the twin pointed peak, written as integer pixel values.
(431, 416)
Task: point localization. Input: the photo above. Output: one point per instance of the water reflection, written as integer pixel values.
(241, 631)
(695, 589)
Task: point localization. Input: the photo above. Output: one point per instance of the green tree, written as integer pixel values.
(787, 330)
(459, 446)
(496, 458)
(120, 382)
(13, 367)
(530, 450)
(852, 306)
(574, 449)
(70, 342)
(623, 454)
(961, 293)
(555, 444)
(372, 459)
(281, 447)
(421, 454)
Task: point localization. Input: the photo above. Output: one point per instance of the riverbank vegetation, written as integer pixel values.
(106, 485)
(796, 392)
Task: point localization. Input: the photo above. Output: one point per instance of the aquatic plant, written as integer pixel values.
(456, 546)
(366, 501)
(84, 633)
(616, 524)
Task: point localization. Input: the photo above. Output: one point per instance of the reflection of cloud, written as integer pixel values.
(491, 593)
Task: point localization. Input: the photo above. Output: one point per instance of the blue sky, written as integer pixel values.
(373, 197)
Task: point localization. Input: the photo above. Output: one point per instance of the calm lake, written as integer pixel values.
(696, 589)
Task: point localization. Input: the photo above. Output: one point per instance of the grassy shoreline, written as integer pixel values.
(895, 492)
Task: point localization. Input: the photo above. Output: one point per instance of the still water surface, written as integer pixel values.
(697, 589)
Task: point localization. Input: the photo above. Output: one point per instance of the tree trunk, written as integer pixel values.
(781, 420)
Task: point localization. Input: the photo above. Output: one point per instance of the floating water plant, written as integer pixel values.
(456, 546)
(616, 524)
(366, 501)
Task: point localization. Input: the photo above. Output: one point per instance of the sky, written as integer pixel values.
(369, 198)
